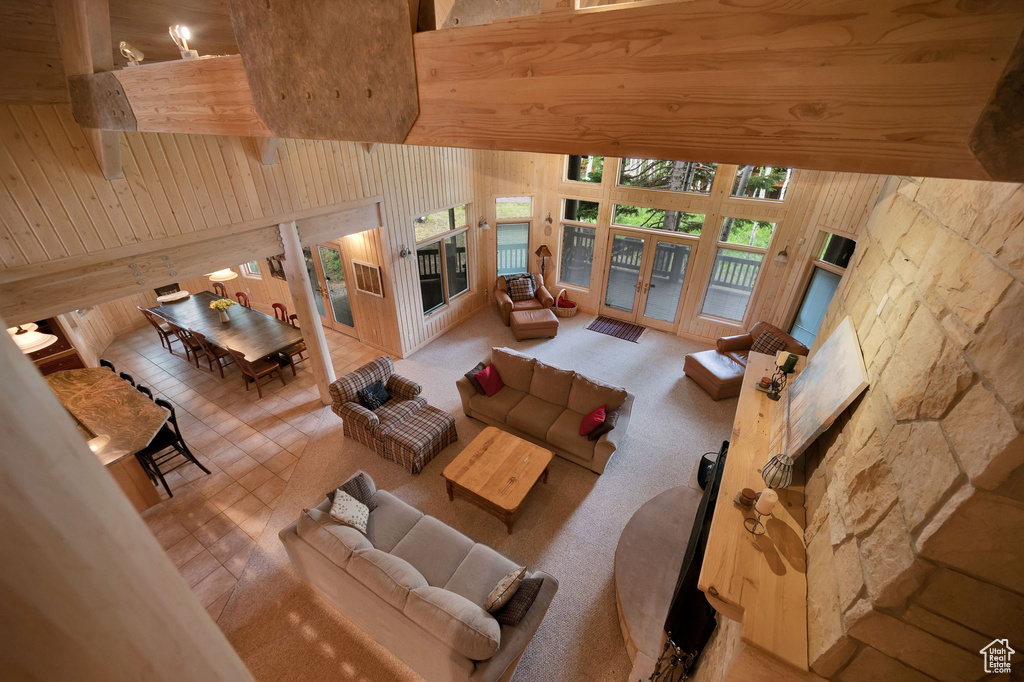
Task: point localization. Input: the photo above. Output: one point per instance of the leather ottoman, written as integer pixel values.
(717, 373)
(534, 324)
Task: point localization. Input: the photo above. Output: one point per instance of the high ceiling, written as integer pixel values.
(30, 53)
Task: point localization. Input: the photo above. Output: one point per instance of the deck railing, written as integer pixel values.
(735, 273)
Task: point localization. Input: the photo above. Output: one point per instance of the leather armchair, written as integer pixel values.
(542, 298)
(720, 371)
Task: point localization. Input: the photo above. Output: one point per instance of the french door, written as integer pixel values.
(645, 274)
(330, 288)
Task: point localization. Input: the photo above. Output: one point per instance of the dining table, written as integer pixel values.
(247, 331)
(117, 421)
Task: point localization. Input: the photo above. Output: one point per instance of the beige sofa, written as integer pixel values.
(545, 405)
(417, 586)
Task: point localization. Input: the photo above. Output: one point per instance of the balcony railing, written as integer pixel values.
(738, 274)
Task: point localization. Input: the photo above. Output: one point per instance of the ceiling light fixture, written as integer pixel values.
(225, 275)
(181, 35)
(133, 54)
(29, 340)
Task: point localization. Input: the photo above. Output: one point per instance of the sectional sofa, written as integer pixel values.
(545, 404)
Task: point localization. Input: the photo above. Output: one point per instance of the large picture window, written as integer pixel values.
(658, 219)
(735, 270)
(671, 176)
(442, 256)
(761, 182)
(585, 169)
(513, 247)
(577, 254)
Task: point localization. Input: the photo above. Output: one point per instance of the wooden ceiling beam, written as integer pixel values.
(870, 86)
(83, 29)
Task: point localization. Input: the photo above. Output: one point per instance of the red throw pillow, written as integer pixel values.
(565, 303)
(593, 420)
(489, 380)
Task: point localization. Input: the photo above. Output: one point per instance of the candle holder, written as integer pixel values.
(754, 525)
(783, 368)
(764, 505)
(778, 472)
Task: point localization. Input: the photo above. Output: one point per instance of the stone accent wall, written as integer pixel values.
(915, 496)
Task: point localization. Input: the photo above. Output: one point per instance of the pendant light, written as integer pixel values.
(225, 275)
(29, 340)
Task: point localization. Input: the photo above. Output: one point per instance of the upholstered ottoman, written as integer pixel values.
(418, 438)
(717, 373)
(534, 324)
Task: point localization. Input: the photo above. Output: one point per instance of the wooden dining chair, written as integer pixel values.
(127, 377)
(213, 352)
(108, 364)
(166, 446)
(145, 390)
(294, 354)
(243, 298)
(163, 329)
(280, 312)
(192, 348)
(293, 320)
(254, 371)
(220, 289)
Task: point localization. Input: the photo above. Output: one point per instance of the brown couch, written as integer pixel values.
(544, 405)
(720, 371)
(542, 299)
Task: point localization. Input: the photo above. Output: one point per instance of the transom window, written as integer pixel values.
(442, 256)
(439, 222)
(658, 219)
(585, 169)
(252, 269)
(761, 182)
(836, 250)
(671, 176)
(506, 208)
(735, 270)
(580, 211)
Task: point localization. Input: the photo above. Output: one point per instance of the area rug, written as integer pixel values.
(617, 328)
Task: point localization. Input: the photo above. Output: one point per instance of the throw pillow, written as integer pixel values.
(604, 427)
(471, 375)
(768, 343)
(359, 487)
(593, 420)
(504, 590)
(350, 511)
(515, 608)
(489, 380)
(373, 396)
(521, 289)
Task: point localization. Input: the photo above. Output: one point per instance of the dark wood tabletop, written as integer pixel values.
(251, 332)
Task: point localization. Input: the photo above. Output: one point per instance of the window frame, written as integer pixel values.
(247, 272)
(529, 241)
(718, 246)
(584, 183)
(561, 247)
(441, 237)
(729, 196)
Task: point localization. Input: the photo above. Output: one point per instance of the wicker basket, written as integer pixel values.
(564, 312)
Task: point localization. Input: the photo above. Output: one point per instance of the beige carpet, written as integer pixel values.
(569, 527)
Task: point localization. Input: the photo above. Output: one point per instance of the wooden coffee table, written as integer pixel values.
(496, 471)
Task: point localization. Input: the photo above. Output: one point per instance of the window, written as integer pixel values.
(577, 254)
(580, 211)
(442, 256)
(658, 219)
(837, 250)
(735, 271)
(672, 176)
(761, 182)
(513, 248)
(252, 269)
(433, 224)
(585, 169)
(506, 208)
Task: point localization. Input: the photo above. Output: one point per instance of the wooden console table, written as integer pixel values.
(759, 580)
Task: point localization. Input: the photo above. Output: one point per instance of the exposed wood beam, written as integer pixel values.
(871, 86)
(268, 149)
(83, 29)
(44, 289)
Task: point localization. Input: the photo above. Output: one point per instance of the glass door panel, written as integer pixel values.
(812, 310)
(624, 268)
(314, 282)
(665, 284)
(337, 289)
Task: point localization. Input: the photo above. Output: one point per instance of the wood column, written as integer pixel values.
(305, 307)
(87, 591)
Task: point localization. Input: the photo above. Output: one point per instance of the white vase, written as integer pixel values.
(224, 316)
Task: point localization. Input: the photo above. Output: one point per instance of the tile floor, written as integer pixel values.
(250, 445)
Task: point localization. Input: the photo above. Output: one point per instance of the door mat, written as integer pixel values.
(617, 328)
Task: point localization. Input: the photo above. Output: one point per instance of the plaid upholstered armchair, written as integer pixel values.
(405, 429)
